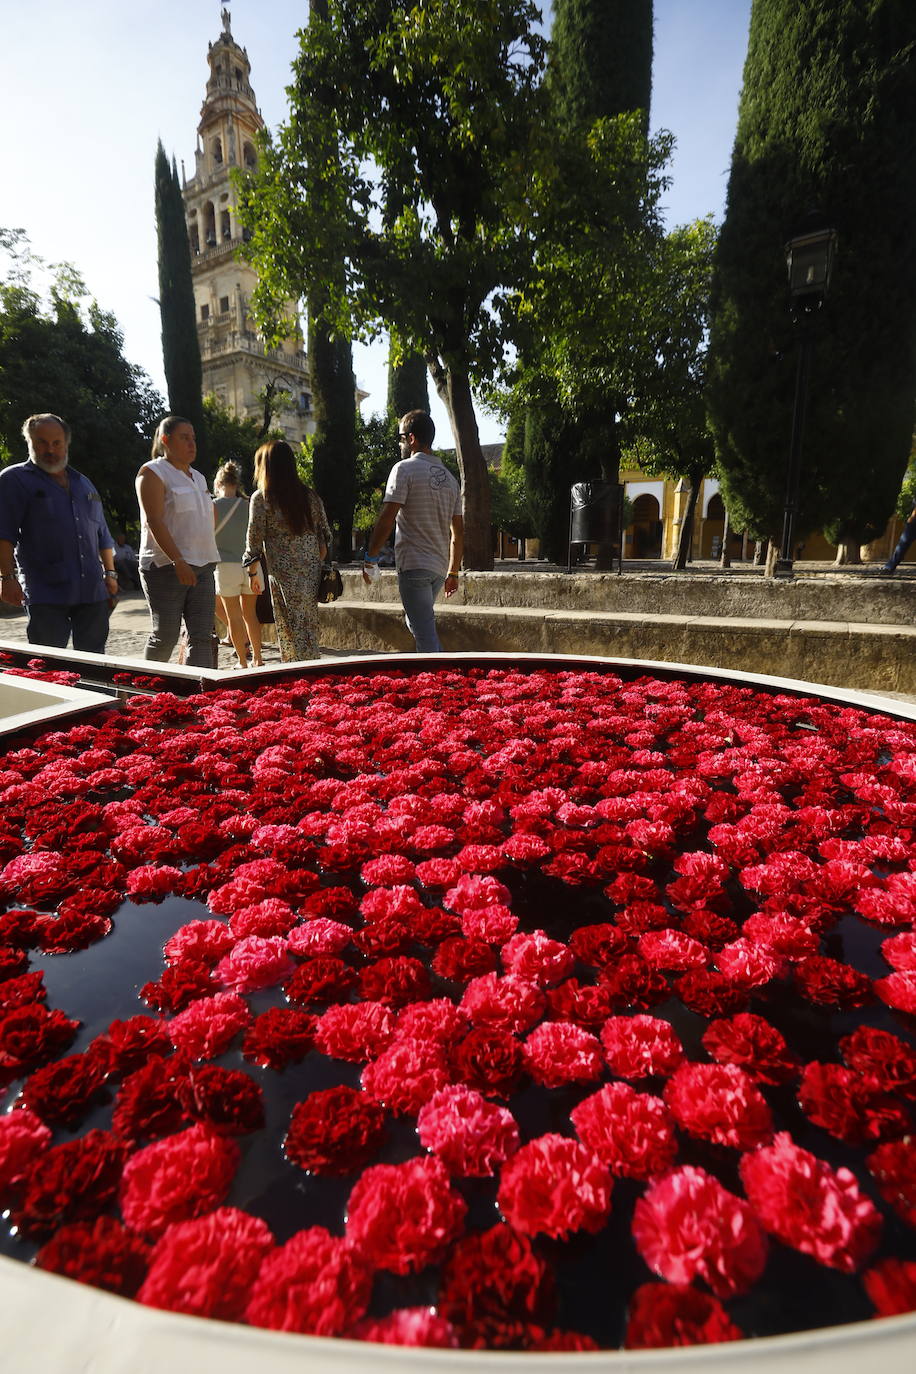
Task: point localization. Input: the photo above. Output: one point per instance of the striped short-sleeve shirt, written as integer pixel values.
(430, 498)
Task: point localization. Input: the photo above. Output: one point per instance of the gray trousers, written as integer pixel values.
(170, 603)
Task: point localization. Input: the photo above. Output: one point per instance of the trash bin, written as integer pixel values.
(593, 511)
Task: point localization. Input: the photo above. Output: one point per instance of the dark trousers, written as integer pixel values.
(52, 625)
(170, 603)
(903, 543)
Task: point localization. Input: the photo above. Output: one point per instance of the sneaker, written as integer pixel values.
(887, 571)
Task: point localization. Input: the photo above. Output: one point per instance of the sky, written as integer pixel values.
(87, 89)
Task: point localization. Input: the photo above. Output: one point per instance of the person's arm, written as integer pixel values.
(10, 590)
(151, 495)
(455, 554)
(106, 554)
(381, 532)
(257, 528)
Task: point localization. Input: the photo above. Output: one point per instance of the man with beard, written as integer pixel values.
(56, 554)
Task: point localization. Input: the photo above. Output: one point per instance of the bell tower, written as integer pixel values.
(237, 366)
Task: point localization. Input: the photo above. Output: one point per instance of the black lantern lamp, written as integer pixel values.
(809, 258)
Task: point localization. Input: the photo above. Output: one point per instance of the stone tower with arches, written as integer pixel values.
(238, 368)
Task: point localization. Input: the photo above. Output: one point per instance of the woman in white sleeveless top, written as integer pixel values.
(177, 548)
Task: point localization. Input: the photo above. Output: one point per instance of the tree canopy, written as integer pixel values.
(441, 102)
(61, 352)
(827, 123)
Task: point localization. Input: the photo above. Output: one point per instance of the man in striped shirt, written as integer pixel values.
(422, 504)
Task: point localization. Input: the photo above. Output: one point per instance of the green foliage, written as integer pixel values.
(62, 354)
(333, 447)
(229, 437)
(376, 454)
(440, 101)
(907, 498)
(180, 345)
(600, 60)
(827, 120)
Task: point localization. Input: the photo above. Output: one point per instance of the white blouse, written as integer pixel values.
(188, 515)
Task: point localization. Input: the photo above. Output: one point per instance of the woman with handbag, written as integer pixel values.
(287, 521)
(233, 592)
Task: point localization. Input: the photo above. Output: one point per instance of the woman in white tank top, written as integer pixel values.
(177, 548)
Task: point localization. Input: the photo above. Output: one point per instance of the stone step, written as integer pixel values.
(842, 653)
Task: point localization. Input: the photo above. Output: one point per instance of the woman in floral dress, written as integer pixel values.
(287, 522)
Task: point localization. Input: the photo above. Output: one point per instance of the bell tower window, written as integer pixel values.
(218, 152)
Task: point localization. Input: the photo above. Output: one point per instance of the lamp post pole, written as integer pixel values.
(809, 259)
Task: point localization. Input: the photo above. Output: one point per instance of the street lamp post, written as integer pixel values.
(809, 259)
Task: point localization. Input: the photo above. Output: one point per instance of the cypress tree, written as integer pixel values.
(827, 121)
(180, 345)
(334, 442)
(600, 66)
(408, 385)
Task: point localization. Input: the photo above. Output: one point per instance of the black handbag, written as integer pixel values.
(330, 586)
(264, 606)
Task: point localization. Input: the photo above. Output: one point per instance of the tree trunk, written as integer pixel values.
(454, 390)
(609, 451)
(848, 555)
(773, 551)
(725, 558)
(686, 535)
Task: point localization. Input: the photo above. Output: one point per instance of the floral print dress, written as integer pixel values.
(294, 567)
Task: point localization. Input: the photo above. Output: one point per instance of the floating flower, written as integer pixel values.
(503, 1003)
(278, 1037)
(23, 1137)
(419, 1326)
(891, 1286)
(632, 1133)
(356, 1032)
(406, 1074)
(177, 1179)
(641, 1046)
(316, 1283)
(206, 1267)
(809, 1206)
(750, 1042)
(402, 1217)
(893, 1167)
(334, 1131)
(101, 1253)
(554, 1187)
(470, 1135)
(558, 1052)
(719, 1102)
(671, 1314)
(207, 1027)
(687, 1226)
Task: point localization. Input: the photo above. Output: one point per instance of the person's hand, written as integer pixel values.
(11, 592)
(185, 573)
(451, 584)
(112, 587)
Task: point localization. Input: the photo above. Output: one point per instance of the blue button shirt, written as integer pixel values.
(58, 532)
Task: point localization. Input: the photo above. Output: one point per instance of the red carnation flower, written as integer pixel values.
(316, 1284)
(257, 961)
(719, 1102)
(492, 1277)
(334, 1131)
(503, 1003)
(319, 936)
(709, 993)
(687, 1226)
(322, 979)
(893, 1167)
(898, 990)
(66, 933)
(850, 1107)
(488, 1060)
(278, 1037)
(473, 891)
(101, 1253)
(63, 1092)
(537, 958)
(226, 1100)
(149, 1103)
(754, 1045)
(553, 1187)
(809, 1206)
(207, 1267)
(151, 884)
(597, 945)
(670, 1314)
(828, 983)
(30, 1035)
(19, 992)
(438, 1020)
(75, 1181)
(558, 1052)
(882, 1058)
(402, 1217)
(459, 960)
(355, 1032)
(202, 942)
(891, 1286)
(900, 951)
(128, 1044)
(176, 1179)
(631, 982)
(396, 982)
(418, 1326)
(640, 1047)
(632, 1133)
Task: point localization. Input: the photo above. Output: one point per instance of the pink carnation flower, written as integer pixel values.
(631, 1132)
(747, 964)
(553, 1186)
(207, 1027)
(206, 1267)
(492, 924)
(355, 1031)
(810, 1206)
(402, 1217)
(640, 1046)
(176, 1179)
(469, 1134)
(22, 1138)
(315, 1284)
(537, 958)
(558, 1052)
(256, 962)
(406, 1075)
(319, 936)
(438, 1020)
(152, 883)
(687, 1226)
